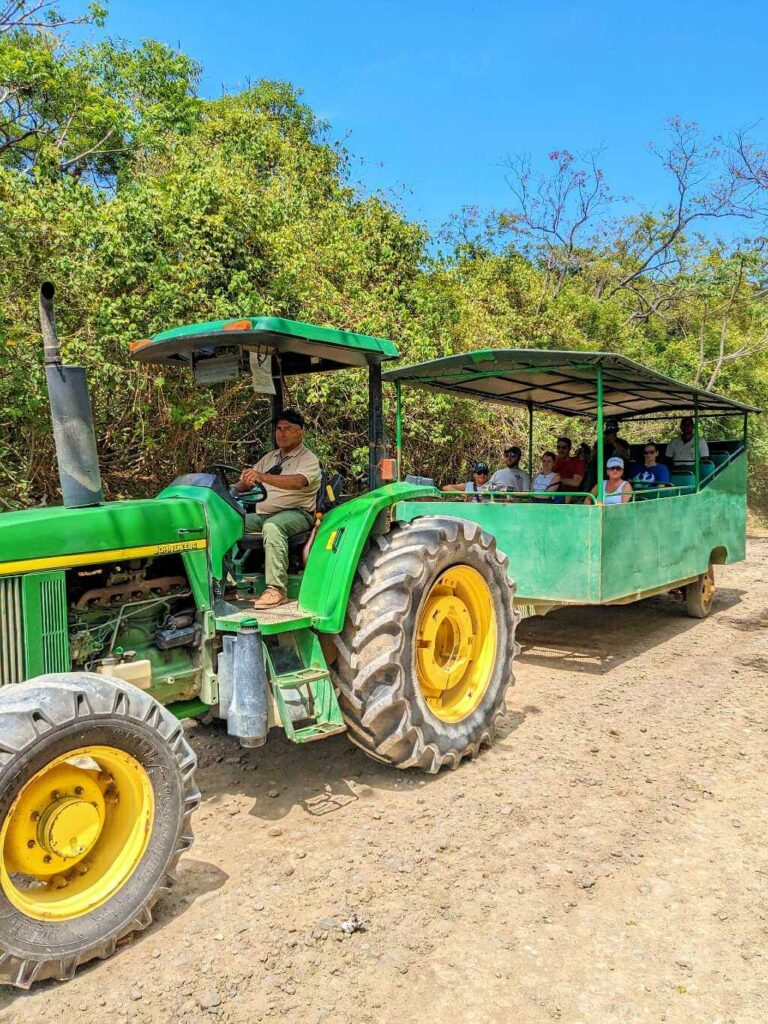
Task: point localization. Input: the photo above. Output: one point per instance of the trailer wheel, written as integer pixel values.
(700, 594)
(96, 795)
(425, 657)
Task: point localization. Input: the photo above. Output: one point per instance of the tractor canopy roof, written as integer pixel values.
(563, 382)
(300, 347)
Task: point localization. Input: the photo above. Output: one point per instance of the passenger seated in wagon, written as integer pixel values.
(616, 490)
(475, 488)
(681, 450)
(511, 477)
(547, 479)
(570, 468)
(651, 471)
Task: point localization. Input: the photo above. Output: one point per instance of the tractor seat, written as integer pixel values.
(255, 541)
(327, 497)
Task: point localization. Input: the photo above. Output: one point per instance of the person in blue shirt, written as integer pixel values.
(651, 472)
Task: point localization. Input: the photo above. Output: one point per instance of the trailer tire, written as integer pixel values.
(429, 597)
(700, 594)
(114, 775)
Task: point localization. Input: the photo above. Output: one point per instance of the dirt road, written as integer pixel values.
(605, 862)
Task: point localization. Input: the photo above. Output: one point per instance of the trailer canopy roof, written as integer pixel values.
(563, 382)
(303, 348)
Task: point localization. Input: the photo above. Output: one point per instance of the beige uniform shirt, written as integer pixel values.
(302, 461)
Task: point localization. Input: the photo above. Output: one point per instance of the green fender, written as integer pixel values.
(333, 559)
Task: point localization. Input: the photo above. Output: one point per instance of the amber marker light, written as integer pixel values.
(238, 325)
(134, 346)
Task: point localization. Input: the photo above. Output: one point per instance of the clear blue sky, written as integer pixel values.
(432, 96)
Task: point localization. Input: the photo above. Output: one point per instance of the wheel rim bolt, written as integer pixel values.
(30, 843)
(47, 858)
(78, 790)
(35, 815)
(55, 794)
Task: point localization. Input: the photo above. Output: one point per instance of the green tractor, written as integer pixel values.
(120, 619)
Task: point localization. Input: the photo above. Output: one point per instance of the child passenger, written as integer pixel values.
(475, 488)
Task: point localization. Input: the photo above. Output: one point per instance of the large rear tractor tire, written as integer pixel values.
(425, 657)
(700, 594)
(96, 796)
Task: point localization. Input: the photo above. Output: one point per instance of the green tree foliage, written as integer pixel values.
(149, 207)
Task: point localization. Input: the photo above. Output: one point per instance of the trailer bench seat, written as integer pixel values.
(684, 480)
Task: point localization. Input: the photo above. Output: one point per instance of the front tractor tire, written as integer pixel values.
(425, 657)
(96, 796)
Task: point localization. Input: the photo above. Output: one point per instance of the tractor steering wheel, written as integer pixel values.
(256, 494)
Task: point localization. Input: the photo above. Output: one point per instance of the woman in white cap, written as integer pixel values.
(616, 490)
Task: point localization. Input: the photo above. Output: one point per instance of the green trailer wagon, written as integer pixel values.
(119, 619)
(667, 538)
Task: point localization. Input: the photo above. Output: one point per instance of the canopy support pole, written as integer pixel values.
(530, 440)
(600, 439)
(399, 427)
(375, 425)
(696, 452)
(746, 428)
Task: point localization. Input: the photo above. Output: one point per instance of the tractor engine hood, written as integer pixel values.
(55, 537)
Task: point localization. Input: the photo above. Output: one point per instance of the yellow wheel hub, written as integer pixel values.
(456, 643)
(75, 833)
(708, 587)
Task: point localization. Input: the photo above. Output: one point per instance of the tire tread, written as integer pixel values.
(57, 699)
(369, 669)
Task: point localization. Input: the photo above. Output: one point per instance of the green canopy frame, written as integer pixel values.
(571, 383)
(299, 348)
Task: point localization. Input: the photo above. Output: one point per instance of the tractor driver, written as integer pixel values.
(291, 476)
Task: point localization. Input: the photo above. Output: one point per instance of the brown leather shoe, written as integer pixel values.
(271, 598)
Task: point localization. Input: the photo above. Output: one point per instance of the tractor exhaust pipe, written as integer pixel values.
(71, 415)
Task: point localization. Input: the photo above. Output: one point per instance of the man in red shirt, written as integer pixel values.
(571, 471)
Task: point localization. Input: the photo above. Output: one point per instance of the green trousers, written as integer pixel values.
(276, 529)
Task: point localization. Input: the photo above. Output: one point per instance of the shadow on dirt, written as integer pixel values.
(596, 640)
(320, 778)
(512, 720)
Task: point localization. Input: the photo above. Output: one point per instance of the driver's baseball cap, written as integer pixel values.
(290, 416)
(611, 426)
(480, 467)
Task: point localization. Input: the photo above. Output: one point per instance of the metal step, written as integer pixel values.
(317, 732)
(305, 673)
(292, 680)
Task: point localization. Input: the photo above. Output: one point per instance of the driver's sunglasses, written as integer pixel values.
(649, 451)
(276, 470)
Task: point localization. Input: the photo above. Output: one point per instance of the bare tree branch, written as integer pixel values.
(705, 189)
(553, 211)
(749, 164)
